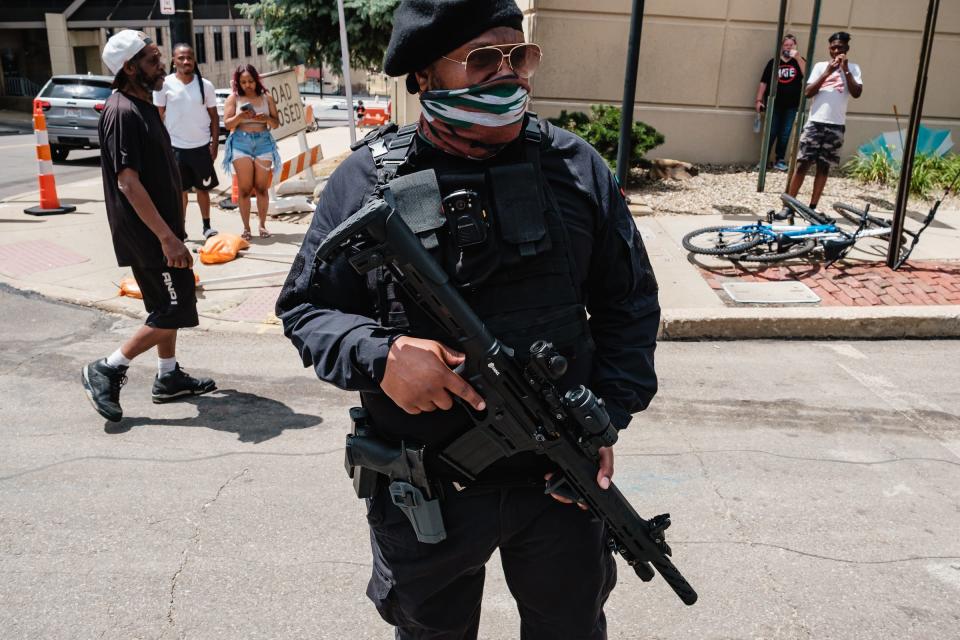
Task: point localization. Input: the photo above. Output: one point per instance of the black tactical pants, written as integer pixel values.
(554, 557)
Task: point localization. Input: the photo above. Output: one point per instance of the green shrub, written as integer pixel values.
(602, 130)
(875, 168)
(929, 173)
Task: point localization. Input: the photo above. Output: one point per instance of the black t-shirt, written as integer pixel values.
(791, 83)
(133, 136)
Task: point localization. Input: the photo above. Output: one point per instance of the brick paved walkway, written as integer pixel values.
(258, 306)
(862, 284)
(21, 259)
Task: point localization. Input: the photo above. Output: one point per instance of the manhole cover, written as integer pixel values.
(770, 292)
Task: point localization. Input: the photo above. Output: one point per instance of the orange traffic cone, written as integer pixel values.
(49, 202)
(231, 202)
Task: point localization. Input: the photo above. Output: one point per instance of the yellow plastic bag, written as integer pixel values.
(222, 247)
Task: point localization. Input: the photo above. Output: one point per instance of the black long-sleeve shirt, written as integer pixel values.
(332, 324)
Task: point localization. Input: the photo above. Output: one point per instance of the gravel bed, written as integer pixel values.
(732, 190)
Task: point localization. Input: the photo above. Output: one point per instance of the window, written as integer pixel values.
(159, 39)
(217, 44)
(76, 89)
(259, 48)
(200, 46)
(246, 42)
(234, 49)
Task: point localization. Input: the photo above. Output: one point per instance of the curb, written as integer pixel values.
(116, 307)
(812, 323)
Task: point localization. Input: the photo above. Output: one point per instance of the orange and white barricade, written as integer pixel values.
(301, 163)
(374, 117)
(49, 201)
(298, 164)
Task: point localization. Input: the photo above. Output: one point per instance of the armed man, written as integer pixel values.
(535, 234)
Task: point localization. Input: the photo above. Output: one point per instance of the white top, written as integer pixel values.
(186, 116)
(829, 106)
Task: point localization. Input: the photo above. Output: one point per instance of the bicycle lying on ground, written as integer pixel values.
(766, 242)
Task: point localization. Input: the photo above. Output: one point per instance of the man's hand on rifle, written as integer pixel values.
(604, 476)
(418, 377)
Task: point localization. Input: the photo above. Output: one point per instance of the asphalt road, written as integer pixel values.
(814, 489)
(18, 165)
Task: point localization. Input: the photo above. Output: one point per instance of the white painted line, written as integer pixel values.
(847, 350)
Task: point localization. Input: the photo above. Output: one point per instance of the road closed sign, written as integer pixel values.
(282, 85)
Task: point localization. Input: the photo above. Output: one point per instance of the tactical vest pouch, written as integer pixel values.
(416, 199)
(519, 211)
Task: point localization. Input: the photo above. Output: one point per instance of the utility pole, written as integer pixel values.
(772, 100)
(345, 55)
(629, 93)
(910, 148)
(802, 109)
(181, 23)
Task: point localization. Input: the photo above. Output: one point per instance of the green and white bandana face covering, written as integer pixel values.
(476, 122)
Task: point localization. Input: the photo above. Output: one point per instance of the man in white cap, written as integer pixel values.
(141, 187)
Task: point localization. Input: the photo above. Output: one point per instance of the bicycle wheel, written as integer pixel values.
(721, 241)
(855, 215)
(773, 252)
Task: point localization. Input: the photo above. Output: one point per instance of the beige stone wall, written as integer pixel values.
(700, 62)
(61, 53)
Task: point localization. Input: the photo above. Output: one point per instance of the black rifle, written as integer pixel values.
(524, 410)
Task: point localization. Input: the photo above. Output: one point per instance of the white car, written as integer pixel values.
(72, 105)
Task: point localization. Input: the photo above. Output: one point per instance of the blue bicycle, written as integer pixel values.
(765, 242)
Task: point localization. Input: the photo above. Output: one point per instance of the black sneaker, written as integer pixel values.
(102, 384)
(783, 214)
(178, 384)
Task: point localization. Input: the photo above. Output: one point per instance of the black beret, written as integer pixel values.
(425, 30)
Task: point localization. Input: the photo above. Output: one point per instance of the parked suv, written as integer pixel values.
(72, 105)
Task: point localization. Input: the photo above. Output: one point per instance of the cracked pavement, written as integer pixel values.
(814, 489)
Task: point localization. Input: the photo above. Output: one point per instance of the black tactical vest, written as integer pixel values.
(518, 279)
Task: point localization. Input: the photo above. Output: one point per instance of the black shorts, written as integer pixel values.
(169, 295)
(196, 168)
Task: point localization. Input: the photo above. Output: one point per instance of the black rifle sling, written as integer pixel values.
(389, 154)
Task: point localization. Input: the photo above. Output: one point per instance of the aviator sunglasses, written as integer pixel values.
(484, 62)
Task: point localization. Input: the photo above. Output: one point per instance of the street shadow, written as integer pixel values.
(879, 203)
(253, 418)
(736, 211)
(798, 268)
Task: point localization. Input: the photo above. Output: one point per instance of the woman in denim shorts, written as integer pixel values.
(251, 152)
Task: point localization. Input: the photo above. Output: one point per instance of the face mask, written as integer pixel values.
(476, 122)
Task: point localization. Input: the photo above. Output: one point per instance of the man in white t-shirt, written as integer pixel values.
(830, 86)
(188, 106)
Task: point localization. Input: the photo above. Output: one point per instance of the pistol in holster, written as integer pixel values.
(370, 458)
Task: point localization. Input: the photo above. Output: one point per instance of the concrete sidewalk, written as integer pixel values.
(923, 298)
(71, 258)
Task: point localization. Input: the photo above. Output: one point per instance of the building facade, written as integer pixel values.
(701, 60)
